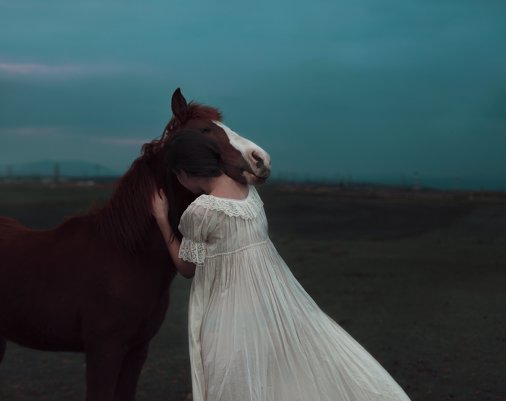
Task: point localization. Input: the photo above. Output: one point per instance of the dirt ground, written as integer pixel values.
(419, 281)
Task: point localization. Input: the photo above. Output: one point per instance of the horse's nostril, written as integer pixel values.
(259, 161)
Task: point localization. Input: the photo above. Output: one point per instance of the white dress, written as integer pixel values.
(255, 334)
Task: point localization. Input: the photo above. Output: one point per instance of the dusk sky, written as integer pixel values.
(365, 89)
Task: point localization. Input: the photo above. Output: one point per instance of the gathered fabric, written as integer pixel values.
(255, 334)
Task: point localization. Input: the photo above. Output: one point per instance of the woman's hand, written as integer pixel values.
(160, 205)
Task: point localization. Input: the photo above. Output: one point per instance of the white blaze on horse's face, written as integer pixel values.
(258, 159)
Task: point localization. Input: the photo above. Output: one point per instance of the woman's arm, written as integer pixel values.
(187, 269)
(160, 211)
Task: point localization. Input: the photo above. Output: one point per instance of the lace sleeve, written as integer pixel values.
(192, 251)
(193, 226)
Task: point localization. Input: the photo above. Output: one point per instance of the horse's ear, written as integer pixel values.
(179, 105)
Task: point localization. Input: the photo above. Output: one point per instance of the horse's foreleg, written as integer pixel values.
(103, 365)
(3, 345)
(130, 372)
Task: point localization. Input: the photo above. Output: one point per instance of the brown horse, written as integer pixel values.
(99, 282)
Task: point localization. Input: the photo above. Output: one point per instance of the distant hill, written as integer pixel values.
(66, 168)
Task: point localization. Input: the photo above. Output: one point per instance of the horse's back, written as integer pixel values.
(10, 226)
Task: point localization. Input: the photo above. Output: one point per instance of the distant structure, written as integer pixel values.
(56, 173)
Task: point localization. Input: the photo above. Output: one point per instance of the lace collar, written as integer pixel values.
(246, 208)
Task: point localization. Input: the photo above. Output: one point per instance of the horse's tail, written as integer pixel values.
(3, 345)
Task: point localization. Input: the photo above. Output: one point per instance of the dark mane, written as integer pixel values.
(126, 219)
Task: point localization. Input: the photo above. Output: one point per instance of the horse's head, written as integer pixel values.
(243, 160)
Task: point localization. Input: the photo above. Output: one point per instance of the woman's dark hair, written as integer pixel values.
(196, 155)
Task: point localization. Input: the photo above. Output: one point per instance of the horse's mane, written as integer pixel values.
(126, 218)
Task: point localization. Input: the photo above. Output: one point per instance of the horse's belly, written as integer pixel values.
(40, 333)
(48, 344)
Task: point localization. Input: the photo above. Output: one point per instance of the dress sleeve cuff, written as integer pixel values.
(192, 251)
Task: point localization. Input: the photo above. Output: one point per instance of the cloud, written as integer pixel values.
(122, 141)
(60, 70)
(32, 131)
(70, 132)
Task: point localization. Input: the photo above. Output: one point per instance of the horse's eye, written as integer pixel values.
(206, 130)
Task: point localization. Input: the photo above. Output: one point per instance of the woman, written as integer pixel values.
(254, 332)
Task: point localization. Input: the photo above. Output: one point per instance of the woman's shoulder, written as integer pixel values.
(246, 208)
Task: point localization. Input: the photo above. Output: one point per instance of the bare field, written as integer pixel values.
(419, 281)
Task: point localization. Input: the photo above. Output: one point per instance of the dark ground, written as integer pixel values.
(420, 282)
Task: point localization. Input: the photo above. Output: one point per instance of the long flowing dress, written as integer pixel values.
(255, 334)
